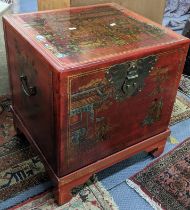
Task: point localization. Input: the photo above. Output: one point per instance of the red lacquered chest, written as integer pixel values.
(91, 86)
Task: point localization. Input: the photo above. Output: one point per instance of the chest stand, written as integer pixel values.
(64, 185)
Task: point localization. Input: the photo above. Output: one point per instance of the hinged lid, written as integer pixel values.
(91, 34)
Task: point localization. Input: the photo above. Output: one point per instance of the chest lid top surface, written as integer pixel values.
(83, 35)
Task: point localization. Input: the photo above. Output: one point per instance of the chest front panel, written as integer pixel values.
(115, 107)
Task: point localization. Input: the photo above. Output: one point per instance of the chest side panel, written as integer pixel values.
(32, 95)
(115, 107)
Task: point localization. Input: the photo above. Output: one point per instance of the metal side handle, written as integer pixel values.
(28, 90)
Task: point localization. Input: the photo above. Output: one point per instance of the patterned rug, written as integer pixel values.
(21, 170)
(165, 183)
(6, 121)
(181, 109)
(184, 85)
(92, 196)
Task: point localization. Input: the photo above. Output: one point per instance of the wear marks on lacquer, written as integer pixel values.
(154, 112)
(86, 125)
(69, 34)
(160, 76)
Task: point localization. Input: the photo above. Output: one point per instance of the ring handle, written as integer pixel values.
(28, 90)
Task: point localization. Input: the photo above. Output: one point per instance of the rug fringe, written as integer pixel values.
(107, 196)
(154, 205)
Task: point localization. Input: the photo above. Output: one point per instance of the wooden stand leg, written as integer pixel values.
(18, 132)
(63, 192)
(157, 150)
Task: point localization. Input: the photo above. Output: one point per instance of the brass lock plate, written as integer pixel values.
(128, 78)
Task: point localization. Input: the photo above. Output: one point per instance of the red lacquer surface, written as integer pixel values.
(78, 36)
(106, 80)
